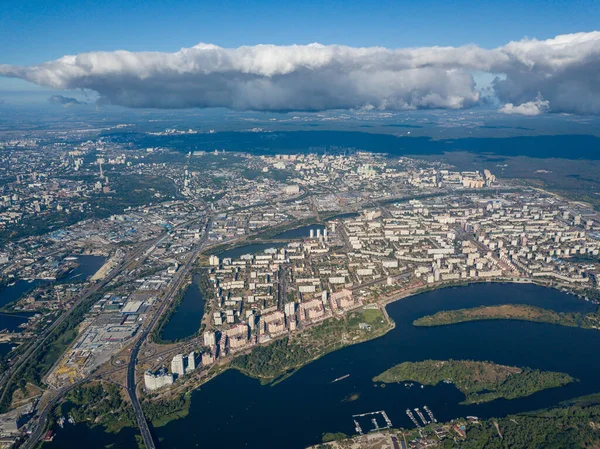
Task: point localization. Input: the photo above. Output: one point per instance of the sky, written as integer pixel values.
(34, 32)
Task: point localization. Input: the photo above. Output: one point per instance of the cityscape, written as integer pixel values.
(326, 228)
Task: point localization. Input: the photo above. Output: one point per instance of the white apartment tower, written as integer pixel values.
(177, 366)
(209, 339)
(191, 362)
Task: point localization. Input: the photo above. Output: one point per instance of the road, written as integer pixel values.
(131, 384)
(136, 257)
(36, 431)
(9, 376)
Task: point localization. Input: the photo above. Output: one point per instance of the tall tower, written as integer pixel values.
(191, 361)
(177, 366)
(100, 161)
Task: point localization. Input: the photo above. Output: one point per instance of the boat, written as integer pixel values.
(340, 378)
(61, 421)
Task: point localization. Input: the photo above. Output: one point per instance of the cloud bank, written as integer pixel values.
(564, 70)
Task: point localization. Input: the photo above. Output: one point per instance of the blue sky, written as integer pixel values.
(35, 31)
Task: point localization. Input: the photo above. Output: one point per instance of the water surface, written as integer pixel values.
(298, 233)
(300, 409)
(233, 410)
(186, 320)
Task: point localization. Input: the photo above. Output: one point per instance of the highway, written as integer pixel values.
(9, 376)
(131, 385)
(136, 257)
(36, 431)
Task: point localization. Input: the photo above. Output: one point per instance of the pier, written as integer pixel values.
(412, 418)
(425, 422)
(431, 417)
(373, 415)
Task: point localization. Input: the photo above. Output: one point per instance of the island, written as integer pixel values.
(510, 312)
(479, 381)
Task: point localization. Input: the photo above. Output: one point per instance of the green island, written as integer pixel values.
(510, 312)
(479, 381)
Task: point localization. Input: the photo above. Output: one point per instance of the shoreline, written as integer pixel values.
(381, 305)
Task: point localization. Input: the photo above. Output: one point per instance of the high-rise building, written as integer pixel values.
(209, 339)
(154, 381)
(191, 362)
(177, 366)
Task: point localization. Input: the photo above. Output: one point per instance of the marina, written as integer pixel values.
(372, 417)
(412, 417)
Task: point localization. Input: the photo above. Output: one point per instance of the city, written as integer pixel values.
(299, 225)
(327, 236)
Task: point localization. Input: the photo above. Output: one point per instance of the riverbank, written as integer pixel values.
(291, 352)
(277, 361)
(307, 404)
(567, 425)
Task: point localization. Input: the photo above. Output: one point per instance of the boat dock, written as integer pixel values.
(373, 416)
(425, 422)
(412, 417)
(357, 427)
(431, 417)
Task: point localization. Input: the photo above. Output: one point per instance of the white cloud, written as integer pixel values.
(565, 70)
(535, 107)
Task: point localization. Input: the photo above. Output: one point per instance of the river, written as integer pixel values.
(253, 248)
(236, 411)
(299, 233)
(87, 267)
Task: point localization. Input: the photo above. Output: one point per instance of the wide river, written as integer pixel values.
(236, 411)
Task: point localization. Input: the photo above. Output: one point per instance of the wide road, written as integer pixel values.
(134, 258)
(9, 376)
(131, 385)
